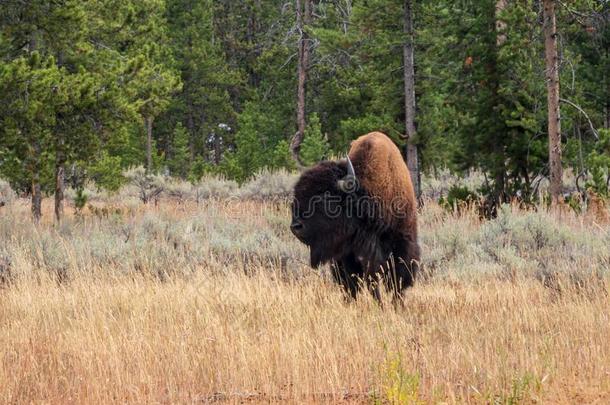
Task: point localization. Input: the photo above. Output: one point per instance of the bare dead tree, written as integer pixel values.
(304, 15)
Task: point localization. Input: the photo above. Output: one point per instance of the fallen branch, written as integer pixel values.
(563, 100)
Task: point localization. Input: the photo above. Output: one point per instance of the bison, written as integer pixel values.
(360, 215)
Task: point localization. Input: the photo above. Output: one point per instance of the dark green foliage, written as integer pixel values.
(107, 173)
(282, 157)
(258, 143)
(599, 163)
(205, 99)
(178, 161)
(198, 169)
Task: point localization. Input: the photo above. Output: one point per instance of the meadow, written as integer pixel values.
(205, 296)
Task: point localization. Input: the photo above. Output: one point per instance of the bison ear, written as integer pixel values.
(349, 183)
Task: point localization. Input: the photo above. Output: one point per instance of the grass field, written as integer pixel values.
(215, 302)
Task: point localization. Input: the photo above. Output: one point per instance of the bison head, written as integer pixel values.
(323, 216)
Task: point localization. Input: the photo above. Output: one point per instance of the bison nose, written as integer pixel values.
(296, 226)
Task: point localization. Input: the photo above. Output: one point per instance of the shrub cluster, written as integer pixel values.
(516, 242)
(265, 185)
(7, 195)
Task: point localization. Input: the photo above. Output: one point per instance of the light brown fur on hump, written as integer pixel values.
(382, 171)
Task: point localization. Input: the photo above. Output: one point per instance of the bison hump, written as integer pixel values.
(382, 172)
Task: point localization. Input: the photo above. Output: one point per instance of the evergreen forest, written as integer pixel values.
(517, 89)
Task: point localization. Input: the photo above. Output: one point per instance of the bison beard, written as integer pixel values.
(360, 216)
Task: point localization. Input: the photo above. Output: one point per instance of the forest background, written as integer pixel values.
(187, 88)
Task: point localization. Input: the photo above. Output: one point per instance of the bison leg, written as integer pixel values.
(348, 273)
(401, 272)
(373, 279)
(373, 285)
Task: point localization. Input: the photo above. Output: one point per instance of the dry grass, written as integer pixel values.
(153, 306)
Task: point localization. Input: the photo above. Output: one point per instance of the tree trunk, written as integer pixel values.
(190, 121)
(190, 124)
(36, 198)
(607, 104)
(500, 24)
(36, 189)
(148, 125)
(304, 15)
(554, 117)
(217, 149)
(59, 183)
(410, 106)
(499, 152)
(35, 159)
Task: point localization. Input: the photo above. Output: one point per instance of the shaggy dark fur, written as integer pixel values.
(368, 233)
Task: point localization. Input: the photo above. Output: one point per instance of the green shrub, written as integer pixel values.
(80, 199)
(598, 162)
(600, 176)
(148, 186)
(458, 196)
(198, 169)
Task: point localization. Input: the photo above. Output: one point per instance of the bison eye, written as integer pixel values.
(297, 227)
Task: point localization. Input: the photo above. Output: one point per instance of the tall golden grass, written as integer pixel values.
(80, 323)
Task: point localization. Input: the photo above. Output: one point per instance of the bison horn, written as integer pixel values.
(349, 183)
(350, 168)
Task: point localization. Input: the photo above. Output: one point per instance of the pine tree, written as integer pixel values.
(315, 147)
(77, 91)
(204, 101)
(178, 162)
(151, 84)
(361, 71)
(27, 86)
